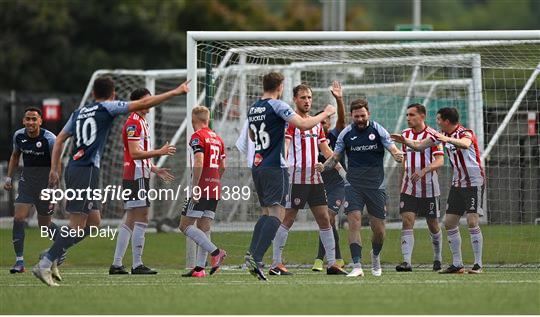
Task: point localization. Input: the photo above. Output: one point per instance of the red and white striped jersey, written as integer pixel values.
(466, 165)
(415, 161)
(303, 152)
(136, 129)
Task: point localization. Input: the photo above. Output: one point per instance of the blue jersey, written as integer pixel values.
(365, 154)
(332, 178)
(90, 127)
(36, 152)
(267, 120)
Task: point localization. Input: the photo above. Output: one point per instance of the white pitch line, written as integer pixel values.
(357, 281)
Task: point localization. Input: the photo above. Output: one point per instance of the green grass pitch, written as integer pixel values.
(88, 289)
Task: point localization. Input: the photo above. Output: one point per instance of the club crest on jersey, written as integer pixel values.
(78, 155)
(257, 160)
(371, 136)
(130, 130)
(38, 144)
(195, 142)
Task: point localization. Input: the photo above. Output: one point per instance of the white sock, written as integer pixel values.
(45, 263)
(137, 243)
(19, 258)
(278, 244)
(200, 238)
(122, 242)
(454, 239)
(202, 255)
(477, 240)
(327, 239)
(407, 244)
(436, 242)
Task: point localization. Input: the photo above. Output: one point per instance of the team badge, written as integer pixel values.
(257, 160)
(195, 142)
(38, 144)
(90, 205)
(371, 136)
(401, 204)
(346, 204)
(130, 130)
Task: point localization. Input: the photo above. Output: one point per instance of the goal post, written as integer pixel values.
(490, 76)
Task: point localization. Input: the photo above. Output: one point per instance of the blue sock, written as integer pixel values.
(377, 247)
(59, 247)
(257, 233)
(86, 233)
(356, 252)
(54, 228)
(18, 237)
(268, 233)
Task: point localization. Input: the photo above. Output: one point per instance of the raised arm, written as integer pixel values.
(150, 101)
(309, 122)
(338, 95)
(463, 143)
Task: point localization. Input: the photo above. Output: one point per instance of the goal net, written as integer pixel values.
(492, 82)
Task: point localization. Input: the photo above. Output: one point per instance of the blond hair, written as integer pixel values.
(201, 113)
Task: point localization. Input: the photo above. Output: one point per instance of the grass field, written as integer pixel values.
(233, 291)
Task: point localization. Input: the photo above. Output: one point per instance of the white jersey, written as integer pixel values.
(303, 153)
(428, 186)
(466, 165)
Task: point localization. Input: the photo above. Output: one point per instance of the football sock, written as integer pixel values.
(202, 255)
(137, 243)
(377, 247)
(59, 247)
(18, 237)
(81, 238)
(327, 238)
(124, 235)
(436, 241)
(268, 232)
(54, 230)
(198, 268)
(407, 244)
(356, 253)
(257, 233)
(200, 238)
(279, 243)
(454, 240)
(477, 240)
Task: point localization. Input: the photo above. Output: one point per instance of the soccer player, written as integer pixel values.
(334, 183)
(420, 188)
(267, 121)
(89, 127)
(208, 152)
(467, 190)
(137, 169)
(364, 141)
(306, 184)
(35, 144)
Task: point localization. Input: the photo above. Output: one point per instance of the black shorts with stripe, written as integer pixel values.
(139, 192)
(300, 194)
(463, 200)
(202, 208)
(427, 207)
